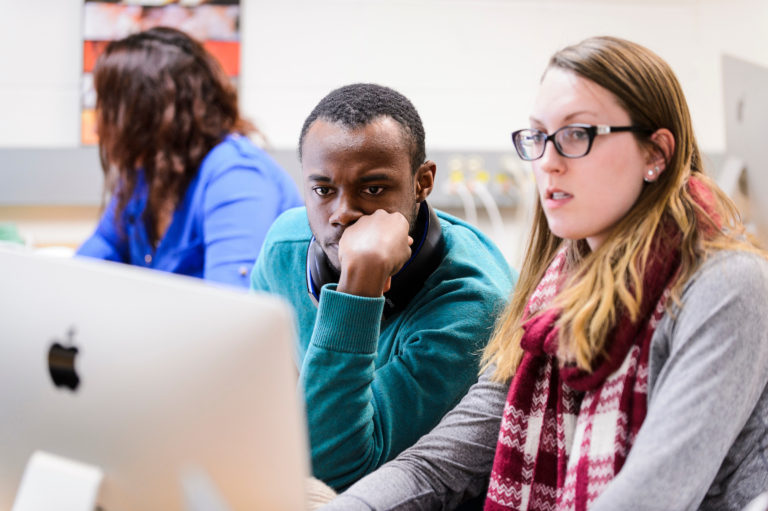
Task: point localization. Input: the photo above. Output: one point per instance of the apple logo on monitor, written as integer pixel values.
(61, 363)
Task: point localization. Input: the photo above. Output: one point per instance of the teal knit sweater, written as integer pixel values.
(374, 386)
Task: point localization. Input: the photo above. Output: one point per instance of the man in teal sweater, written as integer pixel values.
(394, 301)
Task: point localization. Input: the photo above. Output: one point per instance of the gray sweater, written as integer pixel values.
(704, 441)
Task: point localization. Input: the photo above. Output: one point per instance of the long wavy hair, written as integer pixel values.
(163, 102)
(603, 283)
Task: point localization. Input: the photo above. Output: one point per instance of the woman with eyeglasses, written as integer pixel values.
(629, 370)
(191, 194)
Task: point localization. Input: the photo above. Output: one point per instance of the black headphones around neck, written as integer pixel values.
(426, 255)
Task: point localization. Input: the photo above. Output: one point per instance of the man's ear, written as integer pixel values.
(424, 180)
(662, 149)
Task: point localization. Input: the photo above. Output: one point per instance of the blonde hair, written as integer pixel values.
(602, 283)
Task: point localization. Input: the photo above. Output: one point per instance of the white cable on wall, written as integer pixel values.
(457, 186)
(470, 210)
(494, 215)
(523, 181)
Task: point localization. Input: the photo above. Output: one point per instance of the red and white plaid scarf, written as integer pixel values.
(566, 433)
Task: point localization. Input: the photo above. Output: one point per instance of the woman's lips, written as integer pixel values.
(556, 198)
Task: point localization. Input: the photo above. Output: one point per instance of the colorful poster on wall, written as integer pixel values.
(215, 23)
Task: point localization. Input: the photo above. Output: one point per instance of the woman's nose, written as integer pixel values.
(551, 161)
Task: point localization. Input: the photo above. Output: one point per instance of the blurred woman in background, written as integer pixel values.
(191, 194)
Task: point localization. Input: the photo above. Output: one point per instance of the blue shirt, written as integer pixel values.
(374, 385)
(219, 226)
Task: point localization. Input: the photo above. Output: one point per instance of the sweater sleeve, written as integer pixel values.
(240, 204)
(447, 466)
(714, 374)
(106, 242)
(363, 411)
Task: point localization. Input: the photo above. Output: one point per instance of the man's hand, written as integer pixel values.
(371, 250)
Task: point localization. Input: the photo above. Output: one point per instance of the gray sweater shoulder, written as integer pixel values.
(703, 442)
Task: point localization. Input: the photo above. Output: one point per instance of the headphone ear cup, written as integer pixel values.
(319, 269)
(427, 254)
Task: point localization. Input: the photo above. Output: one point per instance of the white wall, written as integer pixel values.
(40, 62)
(470, 66)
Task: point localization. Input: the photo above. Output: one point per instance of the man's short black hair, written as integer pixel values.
(359, 104)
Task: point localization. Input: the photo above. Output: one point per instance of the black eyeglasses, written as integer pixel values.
(572, 141)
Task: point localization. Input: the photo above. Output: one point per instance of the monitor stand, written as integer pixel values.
(53, 482)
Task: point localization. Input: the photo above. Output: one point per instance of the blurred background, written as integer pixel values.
(471, 67)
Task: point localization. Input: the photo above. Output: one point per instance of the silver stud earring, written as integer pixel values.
(650, 176)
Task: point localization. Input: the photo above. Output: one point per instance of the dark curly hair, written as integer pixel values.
(359, 104)
(163, 102)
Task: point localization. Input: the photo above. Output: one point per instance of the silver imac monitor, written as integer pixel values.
(181, 394)
(745, 171)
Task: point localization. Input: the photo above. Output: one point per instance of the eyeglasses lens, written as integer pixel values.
(530, 144)
(572, 141)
